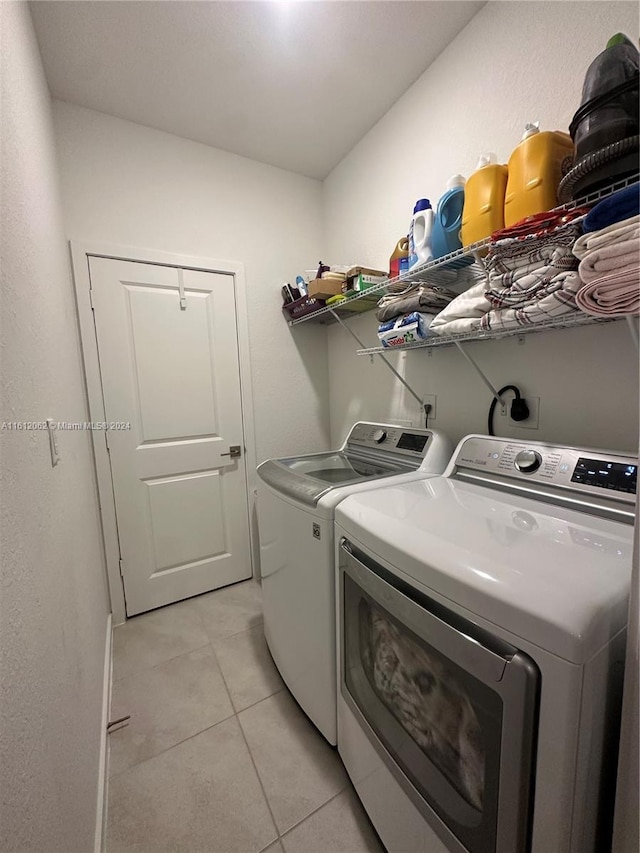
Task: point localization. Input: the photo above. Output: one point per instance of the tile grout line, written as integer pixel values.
(253, 763)
(161, 663)
(209, 642)
(317, 809)
(233, 713)
(237, 714)
(237, 633)
(173, 746)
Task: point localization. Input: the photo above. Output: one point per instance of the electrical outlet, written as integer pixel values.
(532, 422)
(431, 399)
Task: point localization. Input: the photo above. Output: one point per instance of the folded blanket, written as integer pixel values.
(619, 232)
(615, 208)
(405, 330)
(612, 295)
(429, 298)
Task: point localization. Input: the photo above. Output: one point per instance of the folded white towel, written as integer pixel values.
(619, 232)
(615, 257)
(612, 295)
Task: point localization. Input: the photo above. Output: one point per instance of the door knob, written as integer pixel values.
(234, 451)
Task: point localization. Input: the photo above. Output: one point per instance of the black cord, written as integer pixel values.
(519, 408)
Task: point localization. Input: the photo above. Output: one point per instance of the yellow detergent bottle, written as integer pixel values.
(483, 210)
(536, 167)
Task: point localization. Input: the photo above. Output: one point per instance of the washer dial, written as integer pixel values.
(528, 461)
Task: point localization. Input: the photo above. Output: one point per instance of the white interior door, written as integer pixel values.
(169, 368)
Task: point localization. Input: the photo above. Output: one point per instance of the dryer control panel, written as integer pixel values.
(583, 471)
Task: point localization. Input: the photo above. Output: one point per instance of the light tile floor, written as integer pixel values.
(217, 757)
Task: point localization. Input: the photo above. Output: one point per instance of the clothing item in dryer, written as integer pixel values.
(424, 696)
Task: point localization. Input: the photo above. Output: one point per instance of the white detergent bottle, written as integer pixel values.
(421, 228)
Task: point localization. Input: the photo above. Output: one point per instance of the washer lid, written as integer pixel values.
(555, 577)
(308, 478)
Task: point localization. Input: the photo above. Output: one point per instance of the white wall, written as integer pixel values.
(514, 62)
(53, 600)
(130, 185)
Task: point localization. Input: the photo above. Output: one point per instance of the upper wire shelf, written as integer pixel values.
(440, 272)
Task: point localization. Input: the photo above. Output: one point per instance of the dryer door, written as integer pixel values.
(451, 708)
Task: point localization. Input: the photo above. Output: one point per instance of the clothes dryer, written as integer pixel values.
(482, 621)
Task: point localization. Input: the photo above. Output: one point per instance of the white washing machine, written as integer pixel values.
(482, 621)
(296, 502)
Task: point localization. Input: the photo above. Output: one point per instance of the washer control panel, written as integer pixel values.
(528, 460)
(385, 438)
(567, 467)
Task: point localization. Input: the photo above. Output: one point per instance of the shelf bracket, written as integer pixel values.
(384, 360)
(494, 393)
(634, 330)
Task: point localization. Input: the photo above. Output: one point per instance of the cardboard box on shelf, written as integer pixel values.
(360, 278)
(323, 288)
(363, 282)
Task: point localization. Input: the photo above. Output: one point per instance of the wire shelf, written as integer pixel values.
(567, 321)
(440, 272)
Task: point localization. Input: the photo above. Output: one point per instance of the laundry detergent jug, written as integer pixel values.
(483, 210)
(448, 221)
(399, 260)
(536, 167)
(420, 233)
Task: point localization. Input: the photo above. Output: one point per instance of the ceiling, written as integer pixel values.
(292, 84)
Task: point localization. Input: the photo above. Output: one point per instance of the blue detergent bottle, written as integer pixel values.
(448, 221)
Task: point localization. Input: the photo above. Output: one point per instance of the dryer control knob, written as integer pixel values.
(528, 461)
(379, 436)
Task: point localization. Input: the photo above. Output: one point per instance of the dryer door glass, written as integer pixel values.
(446, 705)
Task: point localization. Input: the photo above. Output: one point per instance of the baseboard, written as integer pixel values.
(103, 767)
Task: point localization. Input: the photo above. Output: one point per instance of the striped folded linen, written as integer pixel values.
(530, 280)
(546, 301)
(614, 295)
